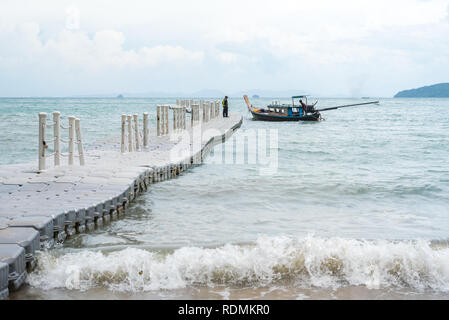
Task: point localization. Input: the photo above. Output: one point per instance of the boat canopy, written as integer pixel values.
(299, 97)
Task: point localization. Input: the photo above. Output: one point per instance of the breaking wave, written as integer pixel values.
(306, 262)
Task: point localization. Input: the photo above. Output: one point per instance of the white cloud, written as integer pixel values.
(169, 54)
(227, 57)
(74, 62)
(252, 44)
(104, 49)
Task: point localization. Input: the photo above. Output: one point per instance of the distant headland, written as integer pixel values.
(440, 90)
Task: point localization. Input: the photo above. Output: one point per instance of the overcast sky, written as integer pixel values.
(328, 48)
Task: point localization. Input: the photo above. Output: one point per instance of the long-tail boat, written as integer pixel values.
(291, 112)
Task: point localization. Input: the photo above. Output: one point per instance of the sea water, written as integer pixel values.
(357, 207)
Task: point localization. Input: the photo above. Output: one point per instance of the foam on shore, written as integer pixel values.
(270, 261)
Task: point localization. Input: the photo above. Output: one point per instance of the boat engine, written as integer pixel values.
(310, 109)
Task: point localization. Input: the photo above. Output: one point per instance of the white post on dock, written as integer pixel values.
(79, 141)
(204, 111)
(165, 122)
(211, 111)
(42, 143)
(180, 118)
(162, 120)
(175, 119)
(136, 131)
(71, 138)
(208, 111)
(197, 113)
(130, 133)
(56, 136)
(212, 108)
(158, 120)
(166, 119)
(184, 111)
(194, 114)
(122, 140)
(209, 105)
(145, 129)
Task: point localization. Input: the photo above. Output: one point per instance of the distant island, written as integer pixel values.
(256, 96)
(440, 90)
(120, 96)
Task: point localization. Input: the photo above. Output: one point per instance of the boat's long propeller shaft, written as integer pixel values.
(348, 105)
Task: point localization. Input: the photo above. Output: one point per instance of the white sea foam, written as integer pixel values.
(306, 262)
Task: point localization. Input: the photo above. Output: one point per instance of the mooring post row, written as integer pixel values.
(74, 129)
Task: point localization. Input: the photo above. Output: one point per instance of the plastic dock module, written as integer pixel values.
(42, 224)
(4, 280)
(70, 222)
(14, 256)
(59, 226)
(27, 238)
(96, 213)
(87, 222)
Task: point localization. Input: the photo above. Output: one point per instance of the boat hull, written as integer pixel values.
(268, 117)
(264, 116)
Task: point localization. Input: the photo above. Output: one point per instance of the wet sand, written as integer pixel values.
(226, 293)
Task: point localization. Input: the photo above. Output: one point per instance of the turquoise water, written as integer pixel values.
(360, 199)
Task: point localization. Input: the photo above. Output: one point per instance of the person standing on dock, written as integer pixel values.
(225, 107)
